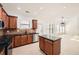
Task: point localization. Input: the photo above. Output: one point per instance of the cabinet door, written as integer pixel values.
(30, 37)
(13, 22)
(48, 47)
(0, 13)
(4, 19)
(17, 41)
(41, 43)
(34, 24)
(56, 47)
(24, 39)
(13, 42)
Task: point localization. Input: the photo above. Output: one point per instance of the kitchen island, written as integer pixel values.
(50, 45)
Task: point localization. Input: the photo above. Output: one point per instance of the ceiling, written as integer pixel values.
(42, 10)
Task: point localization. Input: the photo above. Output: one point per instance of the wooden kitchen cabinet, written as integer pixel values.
(12, 22)
(9, 21)
(21, 40)
(57, 47)
(41, 43)
(30, 37)
(34, 24)
(24, 39)
(4, 17)
(17, 41)
(5, 20)
(0, 12)
(13, 42)
(50, 47)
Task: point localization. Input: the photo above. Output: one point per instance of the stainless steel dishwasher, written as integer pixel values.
(35, 37)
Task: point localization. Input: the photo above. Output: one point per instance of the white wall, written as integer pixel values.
(72, 26)
(50, 14)
(24, 20)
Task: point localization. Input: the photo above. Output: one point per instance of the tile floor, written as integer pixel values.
(69, 46)
(31, 49)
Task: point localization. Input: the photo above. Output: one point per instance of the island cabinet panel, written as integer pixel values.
(24, 39)
(48, 47)
(56, 47)
(30, 37)
(17, 41)
(41, 43)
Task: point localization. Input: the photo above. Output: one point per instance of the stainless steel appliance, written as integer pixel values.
(35, 37)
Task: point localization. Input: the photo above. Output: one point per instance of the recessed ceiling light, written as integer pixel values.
(19, 8)
(65, 7)
(41, 8)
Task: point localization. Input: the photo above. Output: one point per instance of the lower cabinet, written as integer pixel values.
(13, 42)
(24, 39)
(50, 47)
(41, 43)
(57, 47)
(30, 37)
(17, 41)
(21, 40)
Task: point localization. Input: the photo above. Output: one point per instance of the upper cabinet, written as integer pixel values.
(0, 13)
(4, 17)
(34, 24)
(9, 21)
(12, 22)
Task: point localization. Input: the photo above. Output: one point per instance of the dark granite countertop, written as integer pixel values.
(50, 37)
(18, 33)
